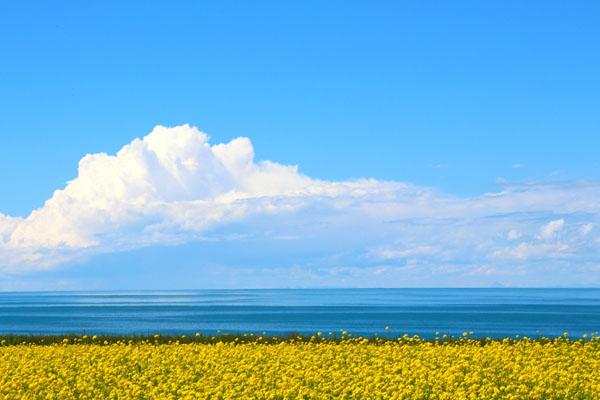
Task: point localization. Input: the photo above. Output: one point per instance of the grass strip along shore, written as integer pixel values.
(297, 367)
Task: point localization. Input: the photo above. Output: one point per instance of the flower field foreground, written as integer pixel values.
(409, 368)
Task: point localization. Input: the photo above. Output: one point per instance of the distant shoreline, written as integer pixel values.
(251, 289)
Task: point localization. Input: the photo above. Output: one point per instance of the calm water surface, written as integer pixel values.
(487, 312)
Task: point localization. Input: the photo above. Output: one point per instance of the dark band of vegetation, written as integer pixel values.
(11, 340)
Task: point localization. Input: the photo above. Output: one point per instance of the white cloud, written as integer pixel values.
(550, 229)
(525, 251)
(170, 186)
(393, 254)
(513, 234)
(173, 186)
(7, 227)
(586, 229)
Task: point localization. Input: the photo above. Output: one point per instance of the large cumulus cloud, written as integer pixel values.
(173, 186)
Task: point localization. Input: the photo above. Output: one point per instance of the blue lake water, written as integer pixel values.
(487, 312)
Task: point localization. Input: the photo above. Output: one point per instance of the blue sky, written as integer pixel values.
(461, 98)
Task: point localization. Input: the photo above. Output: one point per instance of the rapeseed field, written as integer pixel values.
(307, 368)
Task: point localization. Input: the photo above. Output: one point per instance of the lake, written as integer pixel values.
(486, 312)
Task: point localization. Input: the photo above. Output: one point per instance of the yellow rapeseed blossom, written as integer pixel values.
(356, 368)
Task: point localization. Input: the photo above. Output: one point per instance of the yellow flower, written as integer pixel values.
(353, 368)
